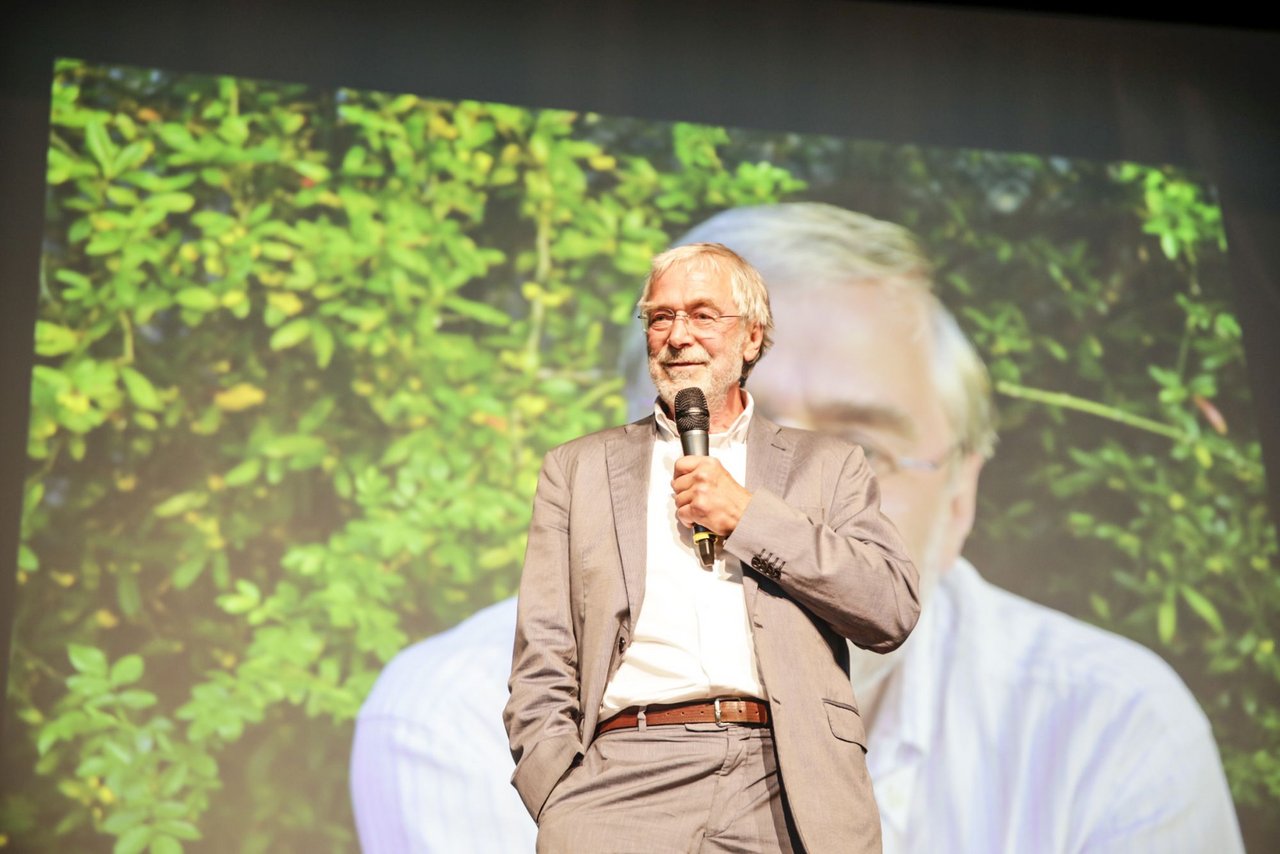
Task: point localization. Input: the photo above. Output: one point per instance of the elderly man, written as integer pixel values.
(660, 702)
(1000, 725)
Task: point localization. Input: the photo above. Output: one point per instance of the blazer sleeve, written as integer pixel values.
(850, 569)
(542, 713)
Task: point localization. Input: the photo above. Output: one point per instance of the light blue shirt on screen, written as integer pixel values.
(1010, 727)
(430, 766)
(1006, 727)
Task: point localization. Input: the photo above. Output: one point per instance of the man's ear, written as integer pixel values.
(751, 349)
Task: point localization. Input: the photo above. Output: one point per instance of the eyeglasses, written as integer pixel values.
(700, 319)
(885, 464)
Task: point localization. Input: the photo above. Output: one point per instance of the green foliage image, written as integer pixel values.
(300, 351)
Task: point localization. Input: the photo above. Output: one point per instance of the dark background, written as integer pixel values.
(1192, 94)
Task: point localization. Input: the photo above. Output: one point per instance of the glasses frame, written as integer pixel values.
(691, 322)
(898, 464)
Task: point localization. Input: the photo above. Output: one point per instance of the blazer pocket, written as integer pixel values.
(846, 723)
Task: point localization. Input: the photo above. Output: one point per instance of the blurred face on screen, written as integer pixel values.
(854, 361)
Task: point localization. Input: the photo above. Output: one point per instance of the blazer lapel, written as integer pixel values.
(769, 456)
(628, 457)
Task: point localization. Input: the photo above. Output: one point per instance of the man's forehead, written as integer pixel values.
(850, 355)
(690, 282)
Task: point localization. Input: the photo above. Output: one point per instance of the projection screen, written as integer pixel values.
(299, 352)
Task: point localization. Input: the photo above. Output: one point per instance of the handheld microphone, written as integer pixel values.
(693, 420)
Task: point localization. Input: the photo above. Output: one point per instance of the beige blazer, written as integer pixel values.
(821, 563)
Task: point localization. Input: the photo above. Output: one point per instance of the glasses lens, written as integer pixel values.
(881, 463)
(660, 321)
(704, 319)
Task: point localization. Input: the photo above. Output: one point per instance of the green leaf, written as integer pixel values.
(134, 840)
(87, 659)
(245, 472)
(353, 162)
(128, 596)
(291, 334)
(180, 503)
(1164, 376)
(316, 414)
(322, 341)
(107, 242)
(181, 829)
(50, 735)
(165, 844)
(61, 167)
(176, 136)
(135, 699)
(276, 251)
(131, 156)
(1225, 326)
(172, 202)
(213, 223)
(98, 140)
(245, 599)
(317, 172)
(54, 340)
(78, 281)
(1100, 606)
(199, 299)
(171, 783)
(186, 573)
(1202, 606)
(140, 389)
(234, 129)
(1167, 620)
(127, 670)
(292, 446)
(478, 311)
(121, 821)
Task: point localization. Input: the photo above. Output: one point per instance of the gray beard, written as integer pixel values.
(717, 399)
(716, 382)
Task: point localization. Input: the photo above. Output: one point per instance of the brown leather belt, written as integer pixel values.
(720, 711)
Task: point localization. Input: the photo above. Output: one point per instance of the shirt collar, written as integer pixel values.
(736, 434)
(911, 707)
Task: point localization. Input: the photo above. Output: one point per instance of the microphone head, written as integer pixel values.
(691, 410)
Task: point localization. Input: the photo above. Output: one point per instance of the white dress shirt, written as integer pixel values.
(692, 638)
(430, 765)
(1006, 727)
(1011, 727)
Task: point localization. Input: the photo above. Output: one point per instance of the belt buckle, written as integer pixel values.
(719, 722)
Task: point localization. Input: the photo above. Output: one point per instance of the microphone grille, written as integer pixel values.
(691, 410)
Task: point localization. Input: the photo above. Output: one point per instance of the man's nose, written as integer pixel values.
(681, 334)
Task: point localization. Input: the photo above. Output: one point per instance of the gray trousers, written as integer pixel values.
(668, 789)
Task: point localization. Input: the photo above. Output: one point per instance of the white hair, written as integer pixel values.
(750, 296)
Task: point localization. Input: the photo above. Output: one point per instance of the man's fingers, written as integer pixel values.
(684, 465)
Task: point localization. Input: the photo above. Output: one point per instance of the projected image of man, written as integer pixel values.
(1000, 725)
